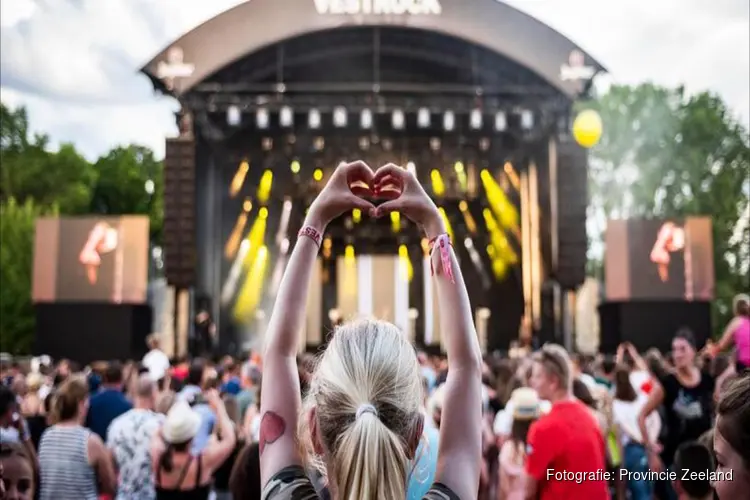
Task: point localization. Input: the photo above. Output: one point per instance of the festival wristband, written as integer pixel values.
(311, 233)
(443, 243)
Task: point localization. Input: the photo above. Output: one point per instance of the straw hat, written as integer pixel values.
(182, 423)
(526, 403)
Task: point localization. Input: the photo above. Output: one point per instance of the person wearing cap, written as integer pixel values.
(176, 468)
(526, 409)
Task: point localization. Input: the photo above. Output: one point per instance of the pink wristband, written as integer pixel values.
(311, 233)
(443, 242)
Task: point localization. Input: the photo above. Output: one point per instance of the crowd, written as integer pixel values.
(371, 418)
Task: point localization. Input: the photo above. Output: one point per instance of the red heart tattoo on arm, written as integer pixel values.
(272, 427)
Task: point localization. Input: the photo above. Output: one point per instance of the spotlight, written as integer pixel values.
(364, 143)
(459, 167)
(284, 247)
(286, 117)
(365, 118)
(449, 121)
(295, 166)
(261, 118)
(313, 119)
(234, 116)
(423, 118)
(318, 175)
(475, 119)
(397, 119)
(501, 121)
(435, 144)
(339, 117)
(468, 243)
(527, 119)
(410, 167)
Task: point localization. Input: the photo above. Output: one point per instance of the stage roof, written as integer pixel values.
(256, 24)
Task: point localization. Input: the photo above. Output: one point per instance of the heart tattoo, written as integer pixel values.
(272, 427)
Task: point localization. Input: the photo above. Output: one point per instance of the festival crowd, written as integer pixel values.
(370, 417)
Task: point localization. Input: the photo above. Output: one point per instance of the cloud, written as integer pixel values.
(74, 63)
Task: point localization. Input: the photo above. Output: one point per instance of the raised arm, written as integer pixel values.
(280, 399)
(461, 423)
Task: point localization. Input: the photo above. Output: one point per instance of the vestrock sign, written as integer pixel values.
(379, 7)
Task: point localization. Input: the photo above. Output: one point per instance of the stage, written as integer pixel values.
(474, 96)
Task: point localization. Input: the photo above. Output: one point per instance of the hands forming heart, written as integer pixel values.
(353, 185)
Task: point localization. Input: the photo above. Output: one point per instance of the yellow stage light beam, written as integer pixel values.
(505, 211)
(349, 255)
(256, 237)
(461, 175)
(251, 292)
(264, 186)
(356, 215)
(510, 172)
(395, 222)
(239, 178)
(438, 186)
(471, 224)
(447, 222)
(327, 245)
(403, 255)
(318, 175)
(502, 247)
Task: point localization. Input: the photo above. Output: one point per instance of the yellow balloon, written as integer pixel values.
(587, 128)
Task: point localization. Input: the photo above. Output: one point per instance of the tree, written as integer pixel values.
(17, 318)
(30, 171)
(664, 154)
(121, 188)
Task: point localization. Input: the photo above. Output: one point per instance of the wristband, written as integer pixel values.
(311, 233)
(443, 243)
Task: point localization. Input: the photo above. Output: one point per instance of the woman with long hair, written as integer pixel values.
(526, 411)
(72, 459)
(361, 422)
(687, 396)
(732, 440)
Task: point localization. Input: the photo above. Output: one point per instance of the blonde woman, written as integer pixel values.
(362, 420)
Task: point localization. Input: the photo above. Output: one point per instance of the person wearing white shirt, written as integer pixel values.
(155, 360)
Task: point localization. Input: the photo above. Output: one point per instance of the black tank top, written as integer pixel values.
(198, 492)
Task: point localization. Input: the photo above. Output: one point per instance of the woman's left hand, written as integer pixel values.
(344, 191)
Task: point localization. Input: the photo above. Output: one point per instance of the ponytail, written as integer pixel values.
(371, 461)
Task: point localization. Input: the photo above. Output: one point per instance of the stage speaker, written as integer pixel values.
(179, 212)
(572, 202)
(648, 324)
(92, 331)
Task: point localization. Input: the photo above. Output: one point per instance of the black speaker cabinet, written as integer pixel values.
(648, 324)
(91, 331)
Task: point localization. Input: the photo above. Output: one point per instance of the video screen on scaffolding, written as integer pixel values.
(659, 259)
(91, 259)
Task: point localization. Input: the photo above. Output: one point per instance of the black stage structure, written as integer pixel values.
(242, 75)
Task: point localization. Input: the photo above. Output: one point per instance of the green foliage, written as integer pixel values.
(16, 261)
(34, 181)
(664, 154)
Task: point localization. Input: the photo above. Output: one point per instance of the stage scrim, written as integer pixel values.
(91, 259)
(649, 259)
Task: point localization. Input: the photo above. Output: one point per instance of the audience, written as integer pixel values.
(108, 403)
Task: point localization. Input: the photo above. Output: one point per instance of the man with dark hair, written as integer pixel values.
(109, 403)
(193, 394)
(693, 465)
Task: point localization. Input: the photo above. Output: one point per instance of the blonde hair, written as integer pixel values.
(556, 362)
(367, 394)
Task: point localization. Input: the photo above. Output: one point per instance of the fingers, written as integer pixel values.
(358, 171)
(392, 172)
(388, 207)
(355, 201)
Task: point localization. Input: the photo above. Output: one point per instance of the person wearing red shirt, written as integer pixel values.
(565, 448)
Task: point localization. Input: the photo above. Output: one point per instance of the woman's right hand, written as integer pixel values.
(406, 195)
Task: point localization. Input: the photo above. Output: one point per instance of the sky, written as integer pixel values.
(74, 63)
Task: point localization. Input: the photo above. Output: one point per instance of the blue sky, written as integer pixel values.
(73, 63)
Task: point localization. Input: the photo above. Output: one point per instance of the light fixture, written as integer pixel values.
(423, 118)
(527, 119)
(234, 116)
(475, 119)
(339, 117)
(501, 121)
(261, 118)
(313, 119)
(411, 167)
(365, 118)
(286, 117)
(449, 120)
(295, 166)
(397, 119)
